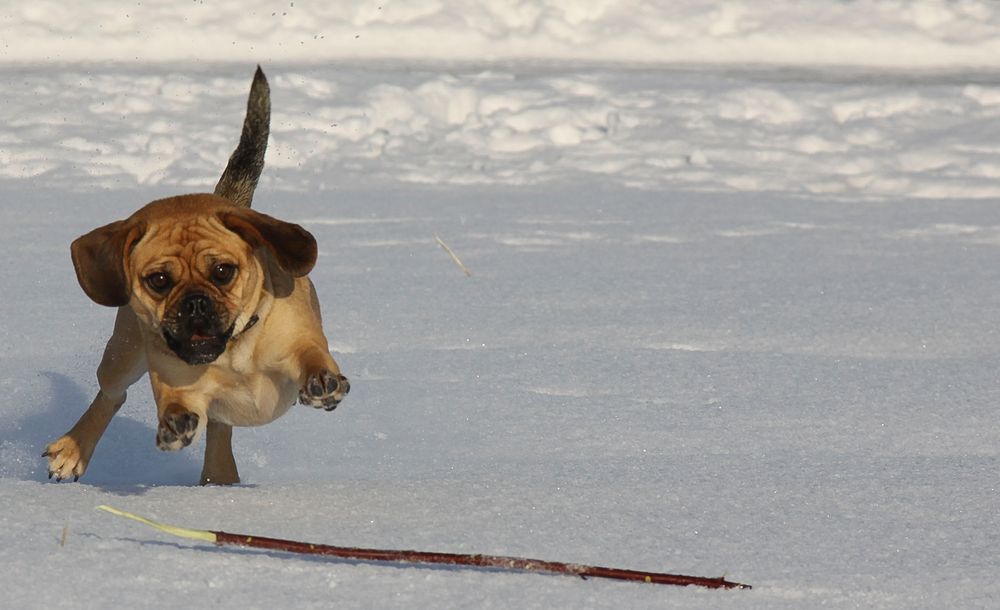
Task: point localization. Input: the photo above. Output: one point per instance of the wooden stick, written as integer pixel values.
(453, 256)
(423, 557)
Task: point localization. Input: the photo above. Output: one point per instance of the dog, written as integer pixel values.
(214, 302)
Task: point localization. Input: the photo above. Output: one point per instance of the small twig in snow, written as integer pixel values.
(453, 256)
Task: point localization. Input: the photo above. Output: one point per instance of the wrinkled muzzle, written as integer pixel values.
(195, 331)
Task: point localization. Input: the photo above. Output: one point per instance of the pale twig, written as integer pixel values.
(453, 256)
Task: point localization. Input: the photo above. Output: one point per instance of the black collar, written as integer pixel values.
(253, 320)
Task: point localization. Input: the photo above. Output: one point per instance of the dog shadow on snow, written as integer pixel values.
(126, 460)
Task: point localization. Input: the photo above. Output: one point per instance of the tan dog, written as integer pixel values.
(215, 304)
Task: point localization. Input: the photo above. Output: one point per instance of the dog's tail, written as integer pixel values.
(239, 179)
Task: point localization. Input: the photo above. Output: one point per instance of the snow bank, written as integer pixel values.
(887, 33)
(815, 133)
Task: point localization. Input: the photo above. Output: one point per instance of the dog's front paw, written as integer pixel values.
(66, 459)
(324, 390)
(177, 428)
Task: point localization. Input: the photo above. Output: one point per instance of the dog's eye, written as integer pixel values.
(223, 273)
(159, 282)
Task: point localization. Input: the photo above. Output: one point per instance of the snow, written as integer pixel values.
(828, 132)
(737, 316)
(888, 33)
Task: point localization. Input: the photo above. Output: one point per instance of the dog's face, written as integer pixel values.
(194, 281)
(193, 268)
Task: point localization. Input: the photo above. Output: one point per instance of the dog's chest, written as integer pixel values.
(252, 399)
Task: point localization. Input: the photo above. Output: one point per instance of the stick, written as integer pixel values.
(423, 557)
(453, 256)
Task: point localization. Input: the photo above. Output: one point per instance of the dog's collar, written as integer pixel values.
(250, 323)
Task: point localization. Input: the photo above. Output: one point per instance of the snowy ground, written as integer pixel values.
(837, 133)
(886, 33)
(721, 319)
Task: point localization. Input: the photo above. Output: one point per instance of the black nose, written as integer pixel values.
(196, 305)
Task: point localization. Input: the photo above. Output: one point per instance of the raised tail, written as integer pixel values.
(239, 180)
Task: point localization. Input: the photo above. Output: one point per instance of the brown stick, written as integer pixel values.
(482, 561)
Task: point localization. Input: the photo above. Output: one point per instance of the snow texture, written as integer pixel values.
(721, 320)
(888, 33)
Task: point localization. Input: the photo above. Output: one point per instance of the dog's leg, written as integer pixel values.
(323, 386)
(183, 414)
(180, 420)
(122, 365)
(220, 466)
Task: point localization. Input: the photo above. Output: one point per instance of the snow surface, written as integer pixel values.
(722, 319)
(898, 33)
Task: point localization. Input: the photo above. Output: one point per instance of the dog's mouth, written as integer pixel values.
(198, 345)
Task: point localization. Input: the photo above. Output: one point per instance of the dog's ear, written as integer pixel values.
(291, 245)
(99, 260)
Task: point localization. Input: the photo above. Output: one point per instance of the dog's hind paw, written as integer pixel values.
(177, 428)
(66, 459)
(324, 390)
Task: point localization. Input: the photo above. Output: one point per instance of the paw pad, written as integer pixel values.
(177, 429)
(324, 390)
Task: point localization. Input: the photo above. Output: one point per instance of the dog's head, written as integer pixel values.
(193, 268)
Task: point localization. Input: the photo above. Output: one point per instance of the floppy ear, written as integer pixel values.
(293, 246)
(99, 260)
